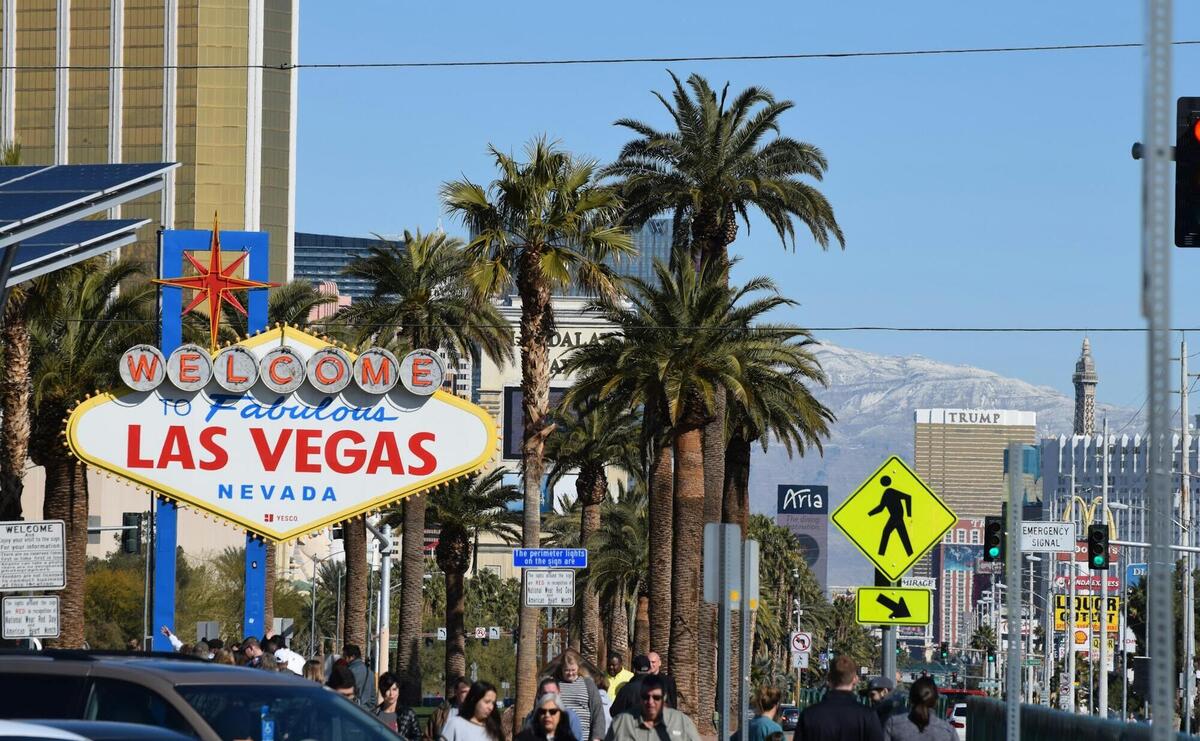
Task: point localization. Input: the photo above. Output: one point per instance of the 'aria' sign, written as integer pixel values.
(282, 433)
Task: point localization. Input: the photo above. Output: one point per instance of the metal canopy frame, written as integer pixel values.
(51, 250)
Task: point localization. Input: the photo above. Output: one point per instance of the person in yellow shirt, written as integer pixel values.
(618, 675)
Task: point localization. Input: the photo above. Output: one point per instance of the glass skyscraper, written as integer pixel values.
(322, 257)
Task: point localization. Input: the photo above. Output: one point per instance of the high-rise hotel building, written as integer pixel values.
(206, 83)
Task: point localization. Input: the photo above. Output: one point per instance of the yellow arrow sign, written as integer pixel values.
(894, 518)
(893, 606)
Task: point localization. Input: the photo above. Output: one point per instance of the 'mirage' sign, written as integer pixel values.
(282, 433)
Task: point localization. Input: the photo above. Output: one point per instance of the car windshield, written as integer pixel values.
(300, 713)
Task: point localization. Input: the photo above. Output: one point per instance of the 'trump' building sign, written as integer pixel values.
(240, 435)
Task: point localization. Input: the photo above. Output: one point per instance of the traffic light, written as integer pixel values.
(993, 539)
(944, 650)
(991, 656)
(131, 536)
(1187, 173)
(1097, 545)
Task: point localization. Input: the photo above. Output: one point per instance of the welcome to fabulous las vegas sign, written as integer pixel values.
(282, 433)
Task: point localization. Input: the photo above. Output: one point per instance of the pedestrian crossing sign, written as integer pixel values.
(894, 518)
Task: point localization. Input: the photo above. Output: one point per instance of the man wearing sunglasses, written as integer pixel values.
(653, 720)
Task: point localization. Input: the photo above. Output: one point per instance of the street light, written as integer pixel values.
(312, 594)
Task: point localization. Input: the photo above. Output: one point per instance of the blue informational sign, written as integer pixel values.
(1134, 573)
(550, 558)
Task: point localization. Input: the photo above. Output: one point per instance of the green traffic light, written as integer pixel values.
(1098, 560)
(994, 551)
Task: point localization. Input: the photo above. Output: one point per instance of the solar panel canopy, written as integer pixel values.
(44, 212)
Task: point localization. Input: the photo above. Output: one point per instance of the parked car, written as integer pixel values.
(102, 730)
(211, 702)
(27, 731)
(789, 715)
(958, 719)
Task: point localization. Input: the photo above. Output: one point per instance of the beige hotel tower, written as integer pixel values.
(191, 81)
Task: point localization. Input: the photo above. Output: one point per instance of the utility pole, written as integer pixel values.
(1012, 666)
(1104, 520)
(1069, 632)
(1189, 633)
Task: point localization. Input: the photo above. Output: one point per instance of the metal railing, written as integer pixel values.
(986, 722)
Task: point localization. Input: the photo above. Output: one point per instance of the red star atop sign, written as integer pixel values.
(214, 285)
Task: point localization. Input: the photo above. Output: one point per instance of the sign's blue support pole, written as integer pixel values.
(174, 244)
(256, 549)
(166, 512)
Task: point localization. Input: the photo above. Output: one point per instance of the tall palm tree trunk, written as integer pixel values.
(535, 403)
(67, 500)
(354, 541)
(412, 602)
(456, 633)
(661, 514)
(688, 524)
(641, 624)
(592, 487)
(735, 506)
(714, 481)
(14, 402)
(618, 630)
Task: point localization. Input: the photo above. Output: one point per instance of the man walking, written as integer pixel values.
(364, 683)
(839, 716)
(653, 721)
(668, 681)
(629, 699)
(618, 675)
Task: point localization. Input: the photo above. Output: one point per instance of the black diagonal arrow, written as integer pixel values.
(899, 609)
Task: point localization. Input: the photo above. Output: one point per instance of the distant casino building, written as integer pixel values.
(323, 257)
(960, 454)
(804, 510)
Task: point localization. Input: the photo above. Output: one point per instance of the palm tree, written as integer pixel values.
(462, 509)
(78, 331)
(589, 437)
(778, 366)
(787, 579)
(541, 225)
(684, 339)
(14, 387)
(421, 299)
(715, 165)
(620, 556)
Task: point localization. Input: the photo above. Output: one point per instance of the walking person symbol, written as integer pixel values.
(898, 506)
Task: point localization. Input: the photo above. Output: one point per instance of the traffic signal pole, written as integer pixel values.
(1103, 704)
(1012, 666)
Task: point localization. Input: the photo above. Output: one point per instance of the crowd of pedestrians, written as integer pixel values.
(576, 701)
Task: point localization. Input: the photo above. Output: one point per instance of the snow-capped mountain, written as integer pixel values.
(874, 397)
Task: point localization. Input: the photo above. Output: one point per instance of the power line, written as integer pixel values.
(322, 325)
(287, 66)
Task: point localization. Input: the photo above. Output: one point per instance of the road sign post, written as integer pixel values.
(722, 585)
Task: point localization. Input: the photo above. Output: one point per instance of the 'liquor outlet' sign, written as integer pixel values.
(282, 433)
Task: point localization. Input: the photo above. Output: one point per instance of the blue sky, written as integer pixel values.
(974, 190)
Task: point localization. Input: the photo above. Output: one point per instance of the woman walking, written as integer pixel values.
(399, 718)
(921, 723)
(477, 718)
(579, 693)
(549, 721)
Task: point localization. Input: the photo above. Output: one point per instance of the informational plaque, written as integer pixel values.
(30, 617)
(33, 555)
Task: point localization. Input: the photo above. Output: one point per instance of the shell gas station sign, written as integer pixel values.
(283, 433)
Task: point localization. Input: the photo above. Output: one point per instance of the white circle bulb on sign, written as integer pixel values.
(236, 369)
(190, 368)
(376, 371)
(143, 367)
(422, 372)
(330, 370)
(282, 370)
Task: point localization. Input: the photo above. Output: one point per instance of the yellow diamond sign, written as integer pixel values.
(893, 606)
(894, 518)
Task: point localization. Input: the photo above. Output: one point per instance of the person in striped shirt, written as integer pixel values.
(579, 694)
